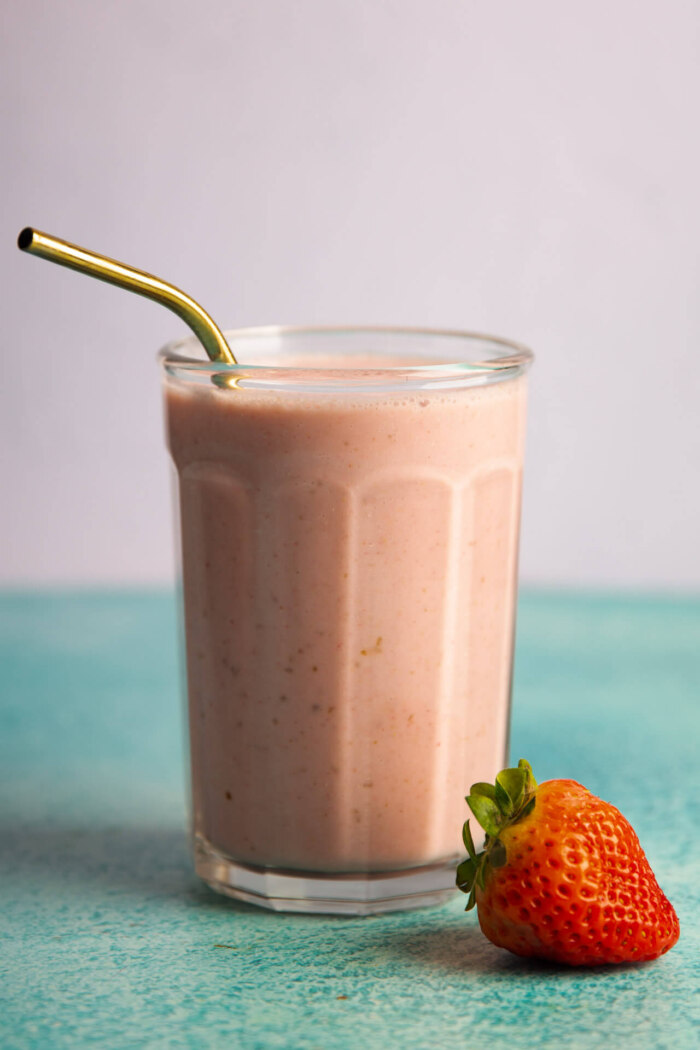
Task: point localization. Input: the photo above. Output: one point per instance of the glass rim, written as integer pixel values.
(499, 358)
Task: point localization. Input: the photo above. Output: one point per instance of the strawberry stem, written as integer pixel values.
(495, 806)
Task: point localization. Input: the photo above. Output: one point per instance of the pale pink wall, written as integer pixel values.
(530, 169)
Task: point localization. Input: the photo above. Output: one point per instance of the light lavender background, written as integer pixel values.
(526, 168)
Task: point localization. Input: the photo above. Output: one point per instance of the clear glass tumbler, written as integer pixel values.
(349, 512)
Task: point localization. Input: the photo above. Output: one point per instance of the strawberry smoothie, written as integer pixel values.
(349, 531)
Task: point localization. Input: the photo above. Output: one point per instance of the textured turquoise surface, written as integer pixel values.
(108, 940)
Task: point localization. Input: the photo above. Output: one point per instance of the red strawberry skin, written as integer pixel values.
(576, 887)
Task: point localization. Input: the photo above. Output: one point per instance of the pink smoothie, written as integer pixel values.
(349, 567)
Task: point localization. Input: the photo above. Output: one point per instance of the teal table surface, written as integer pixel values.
(107, 938)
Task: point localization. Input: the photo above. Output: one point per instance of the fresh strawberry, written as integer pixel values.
(562, 875)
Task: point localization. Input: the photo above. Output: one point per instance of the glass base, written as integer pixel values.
(320, 894)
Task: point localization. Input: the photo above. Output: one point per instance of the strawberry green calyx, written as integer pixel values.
(496, 807)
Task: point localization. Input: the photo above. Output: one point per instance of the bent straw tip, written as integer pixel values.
(25, 239)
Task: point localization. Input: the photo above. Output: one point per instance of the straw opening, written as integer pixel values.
(25, 238)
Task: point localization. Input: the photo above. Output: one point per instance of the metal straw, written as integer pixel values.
(124, 276)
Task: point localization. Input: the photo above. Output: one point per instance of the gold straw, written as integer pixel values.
(124, 276)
